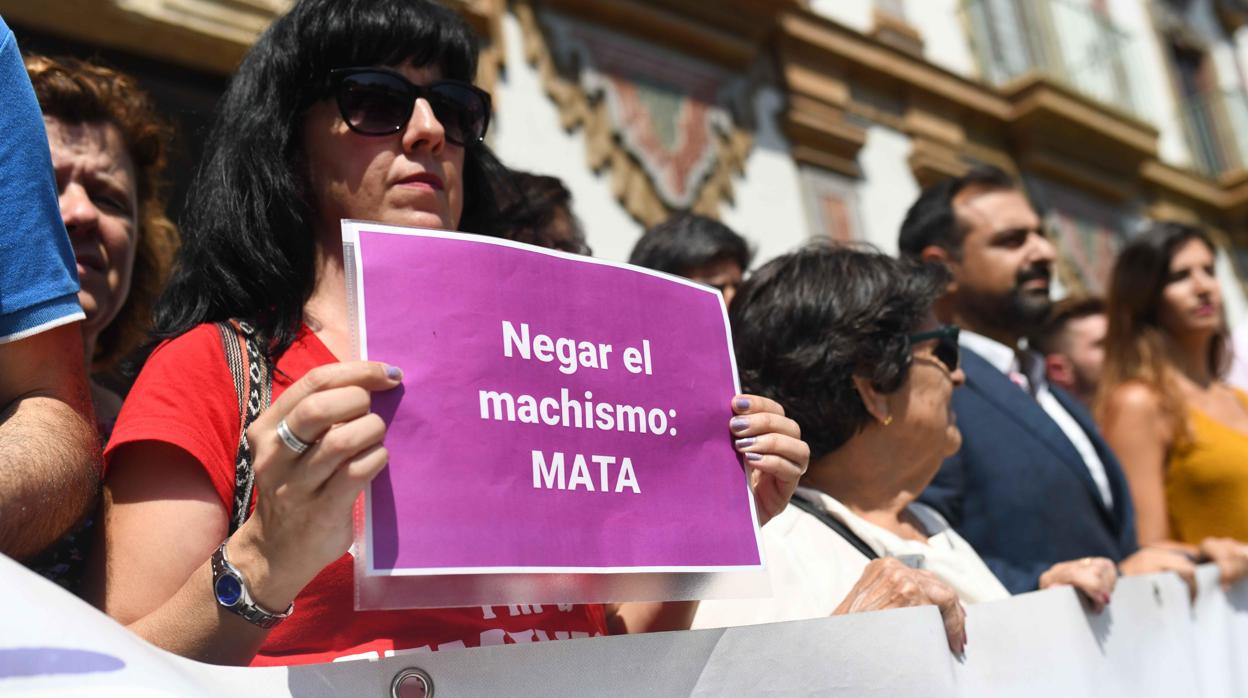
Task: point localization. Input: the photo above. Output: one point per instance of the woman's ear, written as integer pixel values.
(873, 400)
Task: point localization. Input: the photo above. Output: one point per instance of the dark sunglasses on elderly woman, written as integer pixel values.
(379, 102)
(946, 350)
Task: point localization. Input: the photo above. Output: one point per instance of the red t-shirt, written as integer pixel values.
(185, 397)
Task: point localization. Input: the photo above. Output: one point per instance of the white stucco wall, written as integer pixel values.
(1241, 52)
(945, 41)
(888, 187)
(1232, 293)
(1225, 65)
(767, 207)
(527, 136)
(939, 22)
(855, 14)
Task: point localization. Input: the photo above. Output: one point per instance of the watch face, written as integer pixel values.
(229, 590)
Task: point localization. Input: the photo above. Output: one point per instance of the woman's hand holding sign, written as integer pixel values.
(308, 479)
(775, 455)
(301, 523)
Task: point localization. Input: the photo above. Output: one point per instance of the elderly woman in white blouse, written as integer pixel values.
(846, 339)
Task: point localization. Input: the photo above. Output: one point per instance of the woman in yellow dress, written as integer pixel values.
(1180, 431)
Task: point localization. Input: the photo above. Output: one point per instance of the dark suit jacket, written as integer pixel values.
(1018, 491)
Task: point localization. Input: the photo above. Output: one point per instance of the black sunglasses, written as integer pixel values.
(946, 350)
(379, 102)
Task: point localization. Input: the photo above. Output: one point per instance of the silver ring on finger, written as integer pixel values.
(288, 437)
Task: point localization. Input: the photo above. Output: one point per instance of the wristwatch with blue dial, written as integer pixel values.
(230, 587)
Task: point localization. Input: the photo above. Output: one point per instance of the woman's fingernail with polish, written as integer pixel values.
(741, 403)
(754, 457)
(739, 424)
(746, 442)
(394, 373)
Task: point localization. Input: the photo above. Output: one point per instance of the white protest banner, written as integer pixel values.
(1152, 641)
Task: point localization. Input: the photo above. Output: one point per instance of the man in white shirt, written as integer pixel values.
(1073, 343)
(1034, 483)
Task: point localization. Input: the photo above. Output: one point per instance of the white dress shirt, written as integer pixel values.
(1005, 360)
(812, 568)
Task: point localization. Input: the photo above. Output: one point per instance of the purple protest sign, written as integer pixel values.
(557, 415)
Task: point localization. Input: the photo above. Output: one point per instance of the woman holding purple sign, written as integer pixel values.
(361, 110)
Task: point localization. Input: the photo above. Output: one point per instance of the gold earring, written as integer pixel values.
(888, 420)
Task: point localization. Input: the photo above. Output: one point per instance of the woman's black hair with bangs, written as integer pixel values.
(248, 250)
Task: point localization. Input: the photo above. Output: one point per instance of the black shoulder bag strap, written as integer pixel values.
(253, 385)
(836, 525)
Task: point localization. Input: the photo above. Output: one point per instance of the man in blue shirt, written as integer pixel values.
(49, 450)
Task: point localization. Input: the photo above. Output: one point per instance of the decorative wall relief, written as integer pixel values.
(665, 125)
(832, 207)
(1087, 251)
(486, 19)
(1088, 234)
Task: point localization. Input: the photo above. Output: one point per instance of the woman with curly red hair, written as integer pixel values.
(108, 152)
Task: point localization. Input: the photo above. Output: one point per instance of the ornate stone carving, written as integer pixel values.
(486, 17)
(1087, 229)
(664, 125)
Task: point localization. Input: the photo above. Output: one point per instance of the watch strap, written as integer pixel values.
(245, 606)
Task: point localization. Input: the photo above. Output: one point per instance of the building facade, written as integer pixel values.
(799, 119)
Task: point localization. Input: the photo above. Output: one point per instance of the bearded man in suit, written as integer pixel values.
(1034, 483)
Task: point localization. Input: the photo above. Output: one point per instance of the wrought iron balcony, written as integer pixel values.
(1061, 40)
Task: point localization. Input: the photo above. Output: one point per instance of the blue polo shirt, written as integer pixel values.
(38, 274)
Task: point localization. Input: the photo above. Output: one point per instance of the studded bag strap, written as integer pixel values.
(253, 386)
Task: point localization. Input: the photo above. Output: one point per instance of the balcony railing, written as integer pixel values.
(1216, 125)
(1062, 40)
